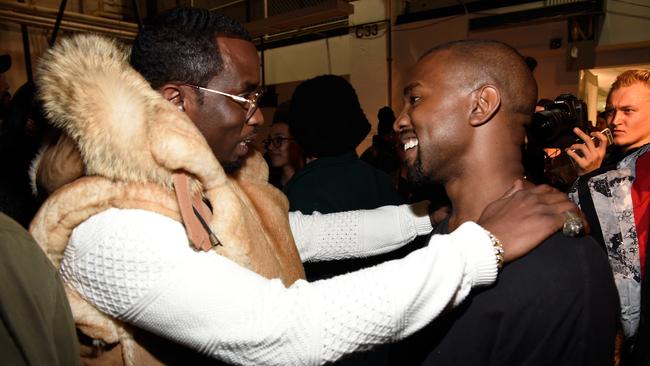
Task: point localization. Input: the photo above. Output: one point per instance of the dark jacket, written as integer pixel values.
(37, 326)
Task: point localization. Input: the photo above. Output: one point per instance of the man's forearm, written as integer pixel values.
(211, 304)
(359, 233)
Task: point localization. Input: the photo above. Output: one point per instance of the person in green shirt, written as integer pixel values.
(37, 326)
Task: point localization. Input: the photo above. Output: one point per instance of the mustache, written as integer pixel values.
(407, 131)
(253, 134)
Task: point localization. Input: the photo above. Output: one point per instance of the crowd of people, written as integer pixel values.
(164, 237)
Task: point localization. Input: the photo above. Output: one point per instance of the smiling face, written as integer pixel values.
(432, 125)
(629, 115)
(222, 120)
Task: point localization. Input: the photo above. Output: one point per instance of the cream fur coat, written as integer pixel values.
(121, 147)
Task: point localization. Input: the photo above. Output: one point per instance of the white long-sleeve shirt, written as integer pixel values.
(138, 267)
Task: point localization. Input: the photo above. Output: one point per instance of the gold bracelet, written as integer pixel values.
(498, 249)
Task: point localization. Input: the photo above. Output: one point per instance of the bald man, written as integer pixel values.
(466, 107)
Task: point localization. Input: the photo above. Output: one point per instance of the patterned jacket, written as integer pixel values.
(616, 199)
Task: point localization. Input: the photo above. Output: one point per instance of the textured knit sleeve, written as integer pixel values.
(361, 233)
(138, 267)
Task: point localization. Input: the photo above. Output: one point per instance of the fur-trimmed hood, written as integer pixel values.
(124, 131)
(116, 119)
(123, 145)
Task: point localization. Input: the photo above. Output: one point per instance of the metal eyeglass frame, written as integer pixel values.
(250, 104)
(275, 141)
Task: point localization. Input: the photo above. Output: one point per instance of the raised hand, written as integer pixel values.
(589, 155)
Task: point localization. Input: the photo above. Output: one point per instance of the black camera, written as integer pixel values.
(553, 127)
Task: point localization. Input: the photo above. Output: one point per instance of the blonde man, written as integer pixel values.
(614, 193)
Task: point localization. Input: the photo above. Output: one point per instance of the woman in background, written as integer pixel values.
(283, 154)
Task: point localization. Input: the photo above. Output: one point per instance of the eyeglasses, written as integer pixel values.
(276, 141)
(250, 104)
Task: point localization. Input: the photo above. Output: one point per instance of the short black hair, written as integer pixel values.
(326, 118)
(5, 63)
(543, 102)
(478, 61)
(179, 45)
(24, 106)
(281, 114)
(386, 118)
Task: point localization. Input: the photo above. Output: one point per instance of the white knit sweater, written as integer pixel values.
(137, 266)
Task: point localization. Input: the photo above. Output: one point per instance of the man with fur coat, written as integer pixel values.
(167, 231)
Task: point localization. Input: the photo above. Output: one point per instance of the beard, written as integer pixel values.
(416, 175)
(231, 167)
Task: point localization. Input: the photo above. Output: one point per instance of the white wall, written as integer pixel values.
(368, 63)
(411, 40)
(626, 22)
(552, 75)
(362, 59)
(306, 60)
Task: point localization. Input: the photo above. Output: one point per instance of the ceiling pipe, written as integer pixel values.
(389, 52)
(45, 22)
(57, 22)
(69, 16)
(226, 5)
(138, 18)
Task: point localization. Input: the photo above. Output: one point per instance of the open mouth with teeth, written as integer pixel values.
(410, 144)
(243, 146)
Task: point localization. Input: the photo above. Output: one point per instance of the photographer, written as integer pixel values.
(615, 199)
(549, 133)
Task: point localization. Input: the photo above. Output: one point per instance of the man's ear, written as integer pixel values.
(486, 103)
(174, 94)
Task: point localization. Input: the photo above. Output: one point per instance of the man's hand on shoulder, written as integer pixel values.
(523, 218)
